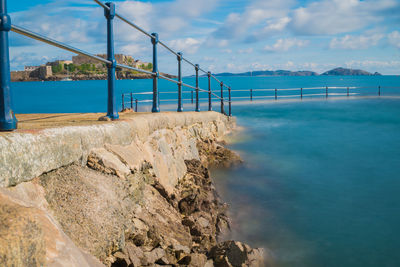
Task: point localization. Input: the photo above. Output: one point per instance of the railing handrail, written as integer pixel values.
(7, 117)
(155, 40)
(39, 37)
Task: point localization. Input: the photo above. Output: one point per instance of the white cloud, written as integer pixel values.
(140, 13)
(192, 8)
(283, 45)
(270, 14)
(187, 45)
(355, 42)
(372, 64)
(227, 51)
(340, 16)
(394, 39)
(246, 51)
(134, 49)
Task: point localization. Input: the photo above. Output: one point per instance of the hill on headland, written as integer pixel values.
(350, 72)
(271, 73)
(333, 72)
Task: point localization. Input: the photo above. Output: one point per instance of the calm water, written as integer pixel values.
(91, 96)
(321, 182)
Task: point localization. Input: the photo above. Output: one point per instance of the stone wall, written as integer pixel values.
(28, 155)
(17, 76)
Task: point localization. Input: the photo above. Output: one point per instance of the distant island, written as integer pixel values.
(350, 72)
(333, 72)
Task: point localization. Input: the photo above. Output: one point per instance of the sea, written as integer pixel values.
(320, 182)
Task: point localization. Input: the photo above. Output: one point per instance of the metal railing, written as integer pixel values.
(131, 100)
(303, 92)
(7, 116)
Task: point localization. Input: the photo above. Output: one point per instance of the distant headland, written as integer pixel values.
(82, 68)
(333, 72)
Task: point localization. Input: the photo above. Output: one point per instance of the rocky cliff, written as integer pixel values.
(131, 193)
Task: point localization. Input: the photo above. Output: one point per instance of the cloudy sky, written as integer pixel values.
(222, 35)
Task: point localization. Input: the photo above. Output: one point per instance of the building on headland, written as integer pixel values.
(32, 73)
(45, 72)
(42, 73)
(120, 58)
(31, 68)
(59, 62)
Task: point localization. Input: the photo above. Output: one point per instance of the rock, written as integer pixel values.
(104, 118)
(102, 160)
(31, 237)
(198, 260)
(214, 154)
(237, 254)
(153, 256)
(130, 155)
(134, 253)
(203, 222)
(185, 260)
(121, 260)
(209, 263)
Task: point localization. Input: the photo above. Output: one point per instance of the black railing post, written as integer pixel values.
(251, 94)
(156, 103)
(136, 105)
(209, 92)
(131, 101)
(222, 98)
(301, 93)
(111, 107)
(276, 94)
(192, 95)
(180, 107)
(230, 102)
(326, 92)
(379, 92)
(197, 87)
(123, 101)
(348, 92)
(8, 122)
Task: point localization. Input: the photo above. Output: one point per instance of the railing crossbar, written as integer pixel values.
(134, 69)
(36, 36)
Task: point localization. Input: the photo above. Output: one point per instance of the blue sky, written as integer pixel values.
(222, 35)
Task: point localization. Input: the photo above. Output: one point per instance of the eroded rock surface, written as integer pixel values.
(146, 202)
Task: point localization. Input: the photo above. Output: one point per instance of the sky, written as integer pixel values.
(221, 35)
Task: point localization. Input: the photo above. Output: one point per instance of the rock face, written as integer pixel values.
(146, 200)
(30, 236)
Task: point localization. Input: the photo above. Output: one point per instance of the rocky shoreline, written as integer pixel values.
(150, 202)
(194, 213)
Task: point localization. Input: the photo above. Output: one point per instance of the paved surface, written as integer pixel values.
(28, 122)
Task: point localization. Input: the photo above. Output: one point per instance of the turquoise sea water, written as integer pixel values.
(91, 96)
(321, 180)
(320, 184)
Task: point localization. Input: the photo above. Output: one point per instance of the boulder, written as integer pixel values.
(236, 254)
(153, 256)
(198, 260)
(104, 161)
(30, 237)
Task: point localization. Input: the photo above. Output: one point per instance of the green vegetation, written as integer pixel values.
(147, 67)
(57, 69)
(87, 69)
